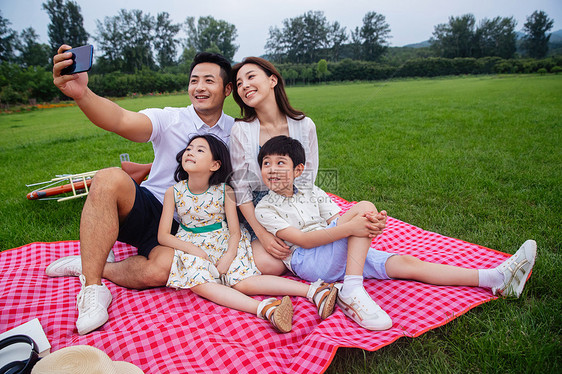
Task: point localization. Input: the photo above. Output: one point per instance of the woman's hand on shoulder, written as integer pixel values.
(274, 246)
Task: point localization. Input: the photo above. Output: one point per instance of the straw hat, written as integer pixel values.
(82, 359)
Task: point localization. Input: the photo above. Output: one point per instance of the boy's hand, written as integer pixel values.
(360, 225)
(368, 225)
(378, 222)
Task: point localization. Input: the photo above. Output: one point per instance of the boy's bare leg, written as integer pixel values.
(368, 210)
(506, 279)
(410, 267)
(357, 248)
(360, 208)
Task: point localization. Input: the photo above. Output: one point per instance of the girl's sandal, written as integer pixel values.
(325, 297)
(279, 313)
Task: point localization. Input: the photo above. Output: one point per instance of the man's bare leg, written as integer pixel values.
(139, 272)
(109, 201)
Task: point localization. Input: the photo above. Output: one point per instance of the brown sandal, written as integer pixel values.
(327, 301)
(281, 316)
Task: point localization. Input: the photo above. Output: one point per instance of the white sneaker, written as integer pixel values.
(92, 302)
(70, 266)
(362, 309)
(516, 270)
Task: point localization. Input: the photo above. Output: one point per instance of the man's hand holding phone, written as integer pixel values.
(67, 65)
(82, 58)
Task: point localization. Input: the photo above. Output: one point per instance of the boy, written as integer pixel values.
(334, 248)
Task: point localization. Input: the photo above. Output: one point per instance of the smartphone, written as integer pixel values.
(82, 60)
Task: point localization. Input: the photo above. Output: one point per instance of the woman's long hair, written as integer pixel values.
(249, 113)
(220, 153)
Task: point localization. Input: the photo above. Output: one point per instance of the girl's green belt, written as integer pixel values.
(198, 230)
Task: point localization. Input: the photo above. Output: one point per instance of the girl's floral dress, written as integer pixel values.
(203, 223)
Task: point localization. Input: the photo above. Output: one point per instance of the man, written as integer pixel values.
(119, 209)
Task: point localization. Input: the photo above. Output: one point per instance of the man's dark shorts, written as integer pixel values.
(140, 228)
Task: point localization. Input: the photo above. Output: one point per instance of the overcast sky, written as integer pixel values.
(411, 21)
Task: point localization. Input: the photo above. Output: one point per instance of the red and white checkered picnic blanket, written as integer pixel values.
(166, 331)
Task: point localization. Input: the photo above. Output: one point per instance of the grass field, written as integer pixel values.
(475, 158)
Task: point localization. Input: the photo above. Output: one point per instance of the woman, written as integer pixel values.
(266, 112)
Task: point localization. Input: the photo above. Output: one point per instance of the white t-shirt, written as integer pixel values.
(172, 128)
(244, 149)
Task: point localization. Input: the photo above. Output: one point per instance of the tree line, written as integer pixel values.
(492, 37)
(127, 42)
(133, 41)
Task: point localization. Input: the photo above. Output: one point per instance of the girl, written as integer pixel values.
(210, 254)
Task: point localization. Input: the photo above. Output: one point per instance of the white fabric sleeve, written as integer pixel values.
(312, 162)
(240, 166)
(156, 118)
(304, 131)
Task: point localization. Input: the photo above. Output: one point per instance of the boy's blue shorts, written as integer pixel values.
(328, 262)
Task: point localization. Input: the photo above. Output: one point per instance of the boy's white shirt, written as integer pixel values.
(307, 210)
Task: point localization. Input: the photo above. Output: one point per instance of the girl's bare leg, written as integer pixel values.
(226, 296)
(272, 285)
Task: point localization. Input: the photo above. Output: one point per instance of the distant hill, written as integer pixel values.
(555, 38)
(419, 45)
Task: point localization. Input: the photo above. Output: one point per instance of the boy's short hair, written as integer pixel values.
(283, 146)
(213, 58)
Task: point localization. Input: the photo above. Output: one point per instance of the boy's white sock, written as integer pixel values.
(350, 282)
(489, 278)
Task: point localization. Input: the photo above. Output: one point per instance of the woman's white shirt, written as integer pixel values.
(244, 149)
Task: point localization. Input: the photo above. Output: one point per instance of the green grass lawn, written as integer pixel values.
(475, 158)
